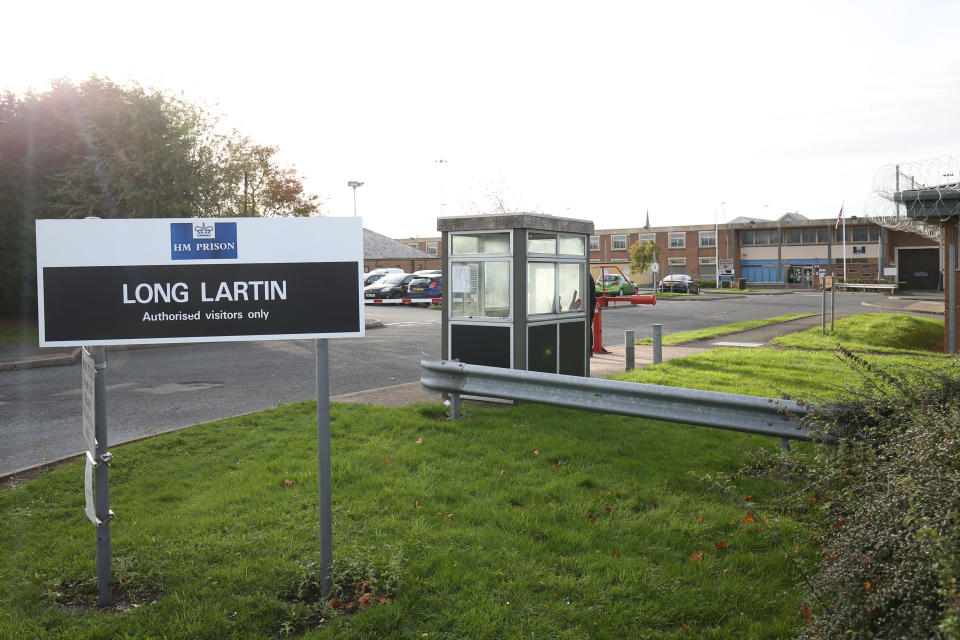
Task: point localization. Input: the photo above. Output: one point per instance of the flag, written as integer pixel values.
(839, 217)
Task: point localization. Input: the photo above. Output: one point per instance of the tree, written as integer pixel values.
(642, 255)
(101, 149)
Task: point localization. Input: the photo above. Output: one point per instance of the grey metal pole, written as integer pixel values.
(657, 344)
(628, 340)
(952, 278)
(833, 300)
(823, 310)
(323, 466)
(102, 479)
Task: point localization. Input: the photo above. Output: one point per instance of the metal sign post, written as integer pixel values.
(323, 466)
(96, 474)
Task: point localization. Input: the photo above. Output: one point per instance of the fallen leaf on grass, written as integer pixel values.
(334, 603)
(607, 508)
(536, 452)
(416, 503)
(288, 482)
(615, 553)
(749, 517)
(592, 517)
(806, 611)
(696, 556)
(419, 440)
(720, 545)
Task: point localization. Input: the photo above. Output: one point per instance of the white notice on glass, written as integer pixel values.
(461, 279)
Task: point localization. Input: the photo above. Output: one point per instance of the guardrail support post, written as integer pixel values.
(455, 406)
(657, 344)
(785, 447)
(628, 339)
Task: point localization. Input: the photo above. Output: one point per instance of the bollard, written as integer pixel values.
(628, 339)
(657, 344)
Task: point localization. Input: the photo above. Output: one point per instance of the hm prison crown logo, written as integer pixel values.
(201, 240)
(203, 231)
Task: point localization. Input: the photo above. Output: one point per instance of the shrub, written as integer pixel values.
(889, 514)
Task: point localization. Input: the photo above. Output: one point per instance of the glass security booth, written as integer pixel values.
(516, 292)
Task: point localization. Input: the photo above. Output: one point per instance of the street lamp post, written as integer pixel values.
(354, 184)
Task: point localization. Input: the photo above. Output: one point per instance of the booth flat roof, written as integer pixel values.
(536, 221)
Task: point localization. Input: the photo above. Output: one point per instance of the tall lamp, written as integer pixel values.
(354, 184)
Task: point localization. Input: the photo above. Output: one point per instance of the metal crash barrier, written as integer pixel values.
(735, 412)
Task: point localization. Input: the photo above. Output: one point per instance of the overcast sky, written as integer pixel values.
(695, 111)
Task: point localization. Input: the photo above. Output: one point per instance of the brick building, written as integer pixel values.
(786, 252)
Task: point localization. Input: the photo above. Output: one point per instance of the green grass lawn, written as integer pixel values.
(873, 332)
(521, 522)
(713, 332)
(8, 334)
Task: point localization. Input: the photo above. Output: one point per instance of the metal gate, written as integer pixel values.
(919, 268)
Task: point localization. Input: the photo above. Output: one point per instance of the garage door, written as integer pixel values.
(919, 268)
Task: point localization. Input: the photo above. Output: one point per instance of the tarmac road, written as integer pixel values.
(160, 389)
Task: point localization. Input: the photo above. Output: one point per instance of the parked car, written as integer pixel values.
(376, 274)
(679, 283)
(615, 284)
(389, 286)
(428, 286)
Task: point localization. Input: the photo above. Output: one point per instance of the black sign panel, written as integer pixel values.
(196, 301)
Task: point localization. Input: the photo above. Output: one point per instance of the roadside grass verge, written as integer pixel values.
(511, 523)
(13, 334)
(873, 332)
(768, 372)
(713, 332)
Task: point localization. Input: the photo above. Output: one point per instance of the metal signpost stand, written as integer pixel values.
(94, 387)
(323, 466)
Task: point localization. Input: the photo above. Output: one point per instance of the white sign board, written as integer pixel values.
(889, 271)
(163, 280)
(655, 267)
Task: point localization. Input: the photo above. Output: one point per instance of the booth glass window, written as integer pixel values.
(542, 243)
(480, 289)
(570, 245)
(554, 287)
(541, 288)
(479, 243)
(594, 243)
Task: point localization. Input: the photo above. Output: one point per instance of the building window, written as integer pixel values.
(874, 234)
(678, 240)
(432, 248)
(708, 239)
(708, 268)
(793, 236)
(648, 237)
(859, 234)
(809, 236)
(594, 243)
(746, 237)
(823, 236)
(619, 242)
(677, 265)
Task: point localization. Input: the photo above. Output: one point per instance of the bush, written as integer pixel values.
(889, 509)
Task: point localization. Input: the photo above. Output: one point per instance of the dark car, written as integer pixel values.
(679, 283)
(391, 286)
(427, 286)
